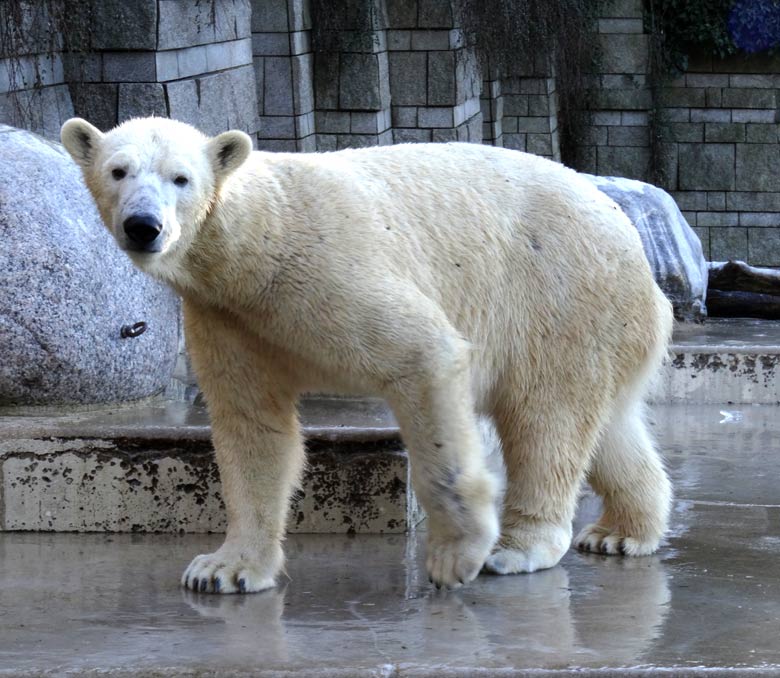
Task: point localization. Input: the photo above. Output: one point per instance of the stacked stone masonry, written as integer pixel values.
(720, 120)
(717, 149)
(284, 68)
(410, 74)
(188, 60)
(434, 75)
(521, 112)
(352, 87)
(33, 89)
(617, 140)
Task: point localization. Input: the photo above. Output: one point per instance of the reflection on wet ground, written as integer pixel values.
(363, 606)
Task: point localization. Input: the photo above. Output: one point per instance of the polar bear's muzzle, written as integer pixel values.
(143, 231)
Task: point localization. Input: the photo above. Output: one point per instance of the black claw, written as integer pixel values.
(204, 584)
(604, 548)
(430, 580)
(242, 585)
(438, 586)
(622, 548)
(217, 585)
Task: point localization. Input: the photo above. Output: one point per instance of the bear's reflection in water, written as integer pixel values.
(600, 611)
(348, 603)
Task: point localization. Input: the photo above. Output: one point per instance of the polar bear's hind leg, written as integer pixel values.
(627, 471)
(546, 450)
(628, 474)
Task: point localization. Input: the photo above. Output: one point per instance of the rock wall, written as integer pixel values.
(718, 146)
(186, 60)
(33, 89)
(392, 71)
(190, 60)
(720, 122)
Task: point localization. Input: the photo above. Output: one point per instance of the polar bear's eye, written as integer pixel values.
(118, 174)
(181, 181)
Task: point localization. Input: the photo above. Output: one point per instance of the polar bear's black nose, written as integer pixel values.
(142, 228)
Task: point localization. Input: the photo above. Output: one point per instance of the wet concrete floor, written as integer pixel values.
(707, 604)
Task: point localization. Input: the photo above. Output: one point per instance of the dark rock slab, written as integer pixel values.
(737, 276)
(67, 290)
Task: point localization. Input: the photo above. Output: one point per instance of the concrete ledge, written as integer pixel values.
(723, 361)
(152, 469)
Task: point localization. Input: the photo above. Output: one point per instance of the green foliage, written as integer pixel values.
(720, 28)
(684, 26)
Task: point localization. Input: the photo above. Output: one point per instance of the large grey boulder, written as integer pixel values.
(671, 246)
(66, 290)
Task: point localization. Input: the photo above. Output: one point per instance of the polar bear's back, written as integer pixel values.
(515, 248)
(468, 201)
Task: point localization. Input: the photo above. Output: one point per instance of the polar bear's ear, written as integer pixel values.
(81, 140)
(228, 151)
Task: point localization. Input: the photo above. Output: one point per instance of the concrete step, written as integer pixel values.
(706, 605)
(152, 469)
(723, 361)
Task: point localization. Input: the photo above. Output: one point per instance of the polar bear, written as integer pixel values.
(451, 279)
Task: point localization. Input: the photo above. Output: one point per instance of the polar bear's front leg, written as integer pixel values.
(259, 453)
(258, 465)
(438, 423)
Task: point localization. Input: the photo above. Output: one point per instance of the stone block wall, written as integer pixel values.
(716, 147)
(284, 68)
(393, 71)
(352, 89)
(434, 75)
(406, 76)
(521, 112)
(186, 59)
(33, 91)
(721, 124)
(617, 140)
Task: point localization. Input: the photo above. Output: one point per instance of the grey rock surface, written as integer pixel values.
(671, 246)
(67, 290)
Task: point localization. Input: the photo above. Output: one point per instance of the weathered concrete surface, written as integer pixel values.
(152, 469)
(708, 604)
(723, 361)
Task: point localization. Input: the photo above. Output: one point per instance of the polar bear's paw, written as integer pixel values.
(599, 539)
(456, 561)
(233, 569)
(528, 549)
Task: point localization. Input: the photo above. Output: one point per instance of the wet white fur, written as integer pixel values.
(453, 280)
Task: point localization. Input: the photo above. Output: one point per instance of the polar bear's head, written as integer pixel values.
(154, 180)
